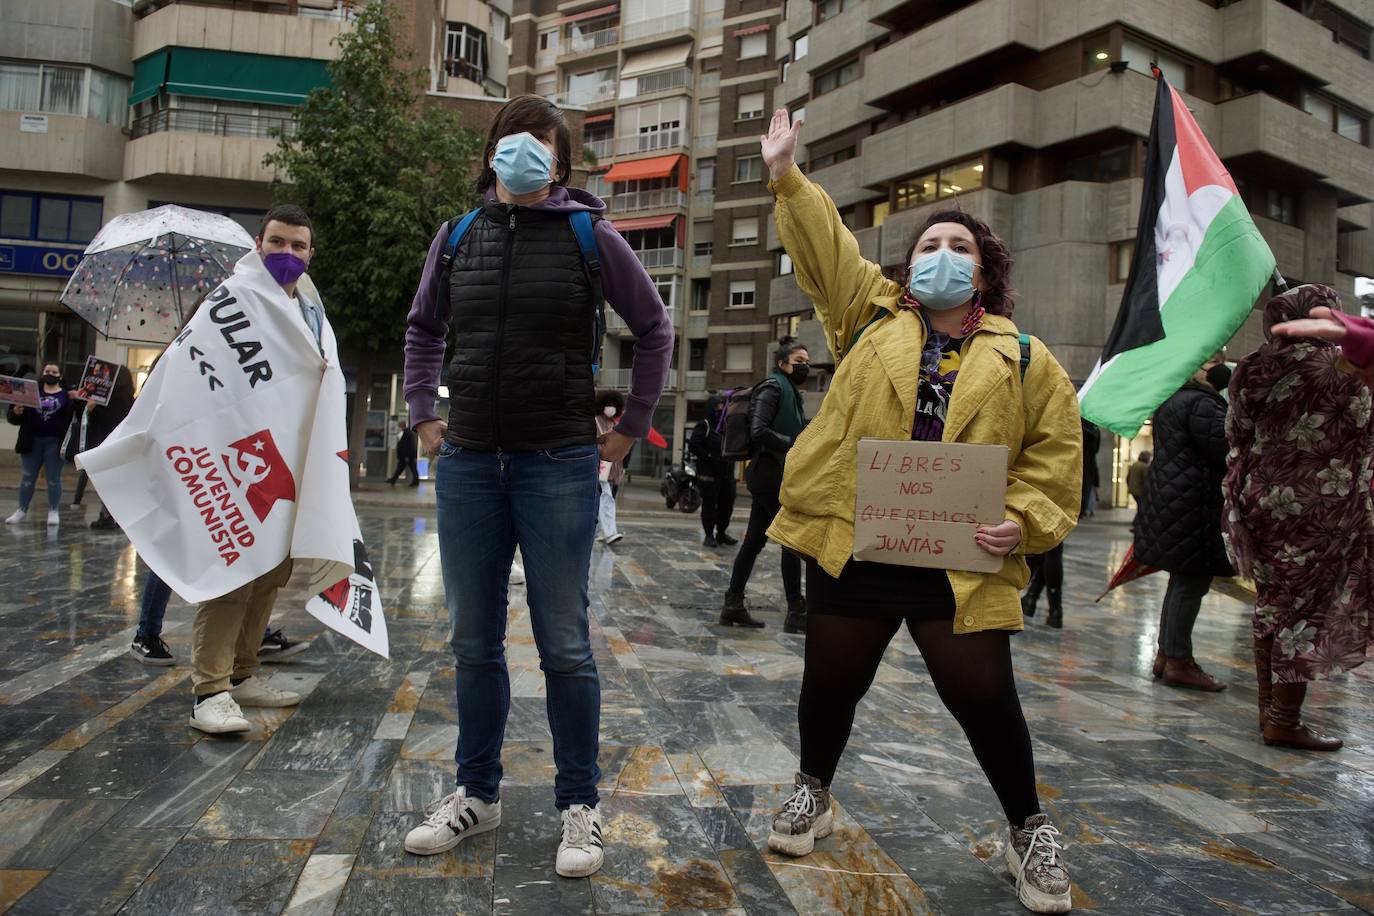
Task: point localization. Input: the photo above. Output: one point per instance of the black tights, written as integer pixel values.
(971, 672)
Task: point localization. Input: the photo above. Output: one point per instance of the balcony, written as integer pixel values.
(175, 153)
(647, 143)
(600, 149)
(649, 28)
(196, 25)
(635, 201)
(209, 122)
(703, 200)
(589, 95)
(620, 378)
(696, 381)
(659, 258)
(704, 144)
(543, 60)
(616, 325)
(662, 81)
(72, 146)
(584, 42)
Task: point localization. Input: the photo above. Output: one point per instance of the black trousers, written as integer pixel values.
(764, 478)
(1047, 571)
(406, 464)
(717, 501)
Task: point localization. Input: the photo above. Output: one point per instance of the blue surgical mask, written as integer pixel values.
(522, 163)
(942, 280)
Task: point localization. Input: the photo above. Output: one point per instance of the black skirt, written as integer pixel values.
(879, 590)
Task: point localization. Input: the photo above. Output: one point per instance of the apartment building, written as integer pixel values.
(114, 106)
(1033, 114)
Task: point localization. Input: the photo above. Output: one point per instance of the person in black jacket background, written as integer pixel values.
(776, 418)
(715, 475)
(1178, 528)
(406, 458)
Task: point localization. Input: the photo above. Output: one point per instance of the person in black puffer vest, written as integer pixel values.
(776, 418)
(1178, 528)
(519, 456)
(715, 475)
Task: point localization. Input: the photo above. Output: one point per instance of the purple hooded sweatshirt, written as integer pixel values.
(624, 282)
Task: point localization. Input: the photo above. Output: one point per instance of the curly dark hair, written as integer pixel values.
(610, 396)
(999, 297)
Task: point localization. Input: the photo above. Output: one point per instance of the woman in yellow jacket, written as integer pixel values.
(938, 359)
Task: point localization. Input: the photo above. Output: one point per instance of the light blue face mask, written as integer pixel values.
(942, 280)
(522, 163)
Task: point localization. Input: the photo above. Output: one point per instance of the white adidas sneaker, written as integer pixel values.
(219, 715)
(453, 820)
(581, 851)
(17, 516)
(254, 692)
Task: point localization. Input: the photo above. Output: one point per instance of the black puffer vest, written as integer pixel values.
(524, 334)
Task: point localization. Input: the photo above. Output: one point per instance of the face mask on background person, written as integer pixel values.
(942, 280)
(522, 163)
(50, 379)
(284, 266)
(609, 411)
(800, 373)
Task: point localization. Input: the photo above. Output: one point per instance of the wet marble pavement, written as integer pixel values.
(1169, 801)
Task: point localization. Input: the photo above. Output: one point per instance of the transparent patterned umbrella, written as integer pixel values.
(144, 271)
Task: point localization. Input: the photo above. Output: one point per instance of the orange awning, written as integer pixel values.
(657, 167)
(644, 222)
(752, 30)
(589, 14)
(598, 118)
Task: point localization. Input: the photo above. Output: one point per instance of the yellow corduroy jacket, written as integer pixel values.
(873, 394)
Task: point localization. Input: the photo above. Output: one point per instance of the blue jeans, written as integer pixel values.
(155, 595)
(46, 454)
(546, 503)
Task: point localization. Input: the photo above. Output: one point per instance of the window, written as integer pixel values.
(748, 168)
(109, 99)
(829, 9)
(800, 46)
(786, 326)
(1140, 57)
(49, 217)
(739, 357)
(880, 211)
(741, 294)
(799, 114)
(751, 46)
(834, 78)
(548, 41)
(784, 265)
(61, 90)
(667, 290)
(786, 69)
(702, 248)
(1319, 108)
(465, 52)
(1102, 165)
(1349, 124)
(651, 126)
(701, 295)
(598, 185)
(1278, 205)
(744, 230)
(840, 155)
(546, 86)
(696, 355)
(1119, 263)
(500, 25)
(706, 174)
(750, 105)
(708, 117)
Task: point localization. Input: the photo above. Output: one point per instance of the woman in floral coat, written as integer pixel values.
(1299, 517)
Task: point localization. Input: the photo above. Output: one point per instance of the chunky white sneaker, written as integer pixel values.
(219, 715)
(18, 516)
(805, 818)
(453, 820)
(254, 692)
(54, 519)
(1036, 861)
(581, 851)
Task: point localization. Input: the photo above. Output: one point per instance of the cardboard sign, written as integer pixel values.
(97, 381)
(21, 391)
(920, 503)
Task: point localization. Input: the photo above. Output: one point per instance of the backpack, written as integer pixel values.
(582, 227)
(734, 422)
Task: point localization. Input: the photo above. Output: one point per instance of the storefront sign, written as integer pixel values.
(920, 503)
(43, 261)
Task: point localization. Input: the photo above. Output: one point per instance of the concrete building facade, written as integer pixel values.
(1033, 114)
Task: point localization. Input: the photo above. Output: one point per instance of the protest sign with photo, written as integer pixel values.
(20, 391)
(97, 381)
(235, 457)
(920, 503)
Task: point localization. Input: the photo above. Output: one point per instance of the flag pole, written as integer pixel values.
(1280, 284)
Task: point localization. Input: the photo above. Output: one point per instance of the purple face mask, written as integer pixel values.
(284, 266)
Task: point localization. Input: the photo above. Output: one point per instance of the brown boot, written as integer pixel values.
(1157, 669)
(1264, 675)
(1283, 725)
(1184, 672)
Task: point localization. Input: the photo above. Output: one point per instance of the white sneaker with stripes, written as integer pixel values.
(453, 820)
(581, 851)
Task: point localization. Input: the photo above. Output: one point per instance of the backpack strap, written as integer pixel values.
(459, 227)
(584, 230)
(1025, 354)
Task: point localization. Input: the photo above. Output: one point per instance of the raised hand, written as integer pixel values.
(780, 144)
(1319, 324)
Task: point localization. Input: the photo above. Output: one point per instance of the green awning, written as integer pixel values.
(149, 75)
(210, 74)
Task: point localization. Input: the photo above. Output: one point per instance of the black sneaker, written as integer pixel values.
(725, 540)
(708, 541)
(276, 647)
(151, 650)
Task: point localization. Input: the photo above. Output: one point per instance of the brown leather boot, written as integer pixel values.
(1184, 672)
(1157, 669)
(1283, 725)
(1264, 675)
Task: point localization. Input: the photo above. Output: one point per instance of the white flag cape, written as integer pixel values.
(235, 457)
